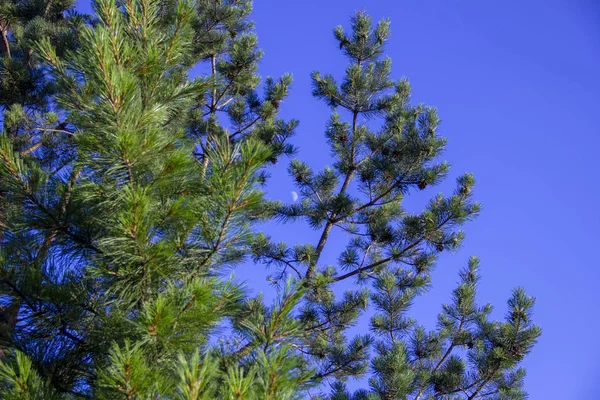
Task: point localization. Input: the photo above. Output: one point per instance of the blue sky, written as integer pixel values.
(516, 84)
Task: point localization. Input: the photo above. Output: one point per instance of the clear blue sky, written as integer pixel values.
(517, 85)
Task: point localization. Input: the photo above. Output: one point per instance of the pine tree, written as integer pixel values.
(115, 228)
(127, 186)
(383, 148)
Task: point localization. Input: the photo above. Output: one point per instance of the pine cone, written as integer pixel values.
(422, 185)
(439, 247)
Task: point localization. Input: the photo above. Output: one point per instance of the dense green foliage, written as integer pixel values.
(127, 187)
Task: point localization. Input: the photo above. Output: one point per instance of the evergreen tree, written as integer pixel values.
(383, 148)
(127, 186)
(115, 228)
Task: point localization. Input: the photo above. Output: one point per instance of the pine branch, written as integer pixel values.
(245, 127)
(332, 219)
(74, 338)
(4, 33)
(325, 374)
(374, 201)
(285, 262)
(444, 357)
(37, 145)
(482, 385)
(390, 258)
(320, 246)
(19, 293)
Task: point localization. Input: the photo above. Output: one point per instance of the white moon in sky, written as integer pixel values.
(294, 196)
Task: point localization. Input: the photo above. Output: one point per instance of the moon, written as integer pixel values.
(294, 196)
